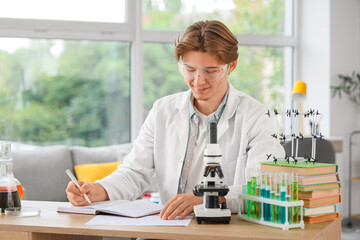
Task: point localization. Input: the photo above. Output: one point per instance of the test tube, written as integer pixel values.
(272, 196)
(263, 190)
(248, 180)
(289, 193)
(277, 197)
(295, 210)
(258, 186)
(244, 191)
(267, 195)
(283, 188)
(253, 192)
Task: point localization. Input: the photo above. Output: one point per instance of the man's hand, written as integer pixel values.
(181, 205)
(94, 191)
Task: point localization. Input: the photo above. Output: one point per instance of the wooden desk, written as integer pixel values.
(56, 226)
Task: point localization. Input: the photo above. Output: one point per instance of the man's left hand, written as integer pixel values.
(180, 206)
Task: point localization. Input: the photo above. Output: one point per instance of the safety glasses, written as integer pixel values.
(210, 73)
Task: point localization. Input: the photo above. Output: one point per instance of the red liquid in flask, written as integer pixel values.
(9, 199)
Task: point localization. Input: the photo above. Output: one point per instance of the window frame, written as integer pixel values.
(74, 30)
(133, 32)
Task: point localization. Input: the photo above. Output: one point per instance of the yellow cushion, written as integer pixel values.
(94, 171)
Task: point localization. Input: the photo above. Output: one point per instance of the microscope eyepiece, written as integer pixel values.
(213, 133)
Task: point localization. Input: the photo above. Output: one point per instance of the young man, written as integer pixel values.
(173, 137)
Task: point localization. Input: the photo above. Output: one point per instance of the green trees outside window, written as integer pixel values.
(66, 92)
(77, 92)
(260, 70)
(241, 16)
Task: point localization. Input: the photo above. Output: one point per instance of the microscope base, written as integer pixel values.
(218, 215)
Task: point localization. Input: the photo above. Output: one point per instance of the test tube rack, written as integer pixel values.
(262, 200)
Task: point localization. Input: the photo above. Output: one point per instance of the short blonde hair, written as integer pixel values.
(211, 37)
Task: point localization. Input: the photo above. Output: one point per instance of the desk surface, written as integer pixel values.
(52, 222)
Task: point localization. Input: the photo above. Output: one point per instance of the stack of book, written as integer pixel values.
(318, 187)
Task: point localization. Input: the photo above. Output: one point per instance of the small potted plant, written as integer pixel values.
(349, 85)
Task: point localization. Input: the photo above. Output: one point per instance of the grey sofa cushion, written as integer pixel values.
(84, 155)
(42, 172)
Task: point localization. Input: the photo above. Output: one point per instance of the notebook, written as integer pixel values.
(319, 193)
(321, 218)
(318, 179)
(320, 201)
(320, 210)
(320, 186)
(134, 209)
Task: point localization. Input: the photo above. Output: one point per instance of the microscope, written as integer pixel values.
(211, 210)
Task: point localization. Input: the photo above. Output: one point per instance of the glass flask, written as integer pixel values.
(9, 195)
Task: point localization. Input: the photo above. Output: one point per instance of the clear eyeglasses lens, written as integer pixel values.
(207, 73)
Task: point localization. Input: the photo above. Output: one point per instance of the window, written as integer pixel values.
(161, 74)
(260, 73)
(264, 29)
(56, 91)
(90, 74)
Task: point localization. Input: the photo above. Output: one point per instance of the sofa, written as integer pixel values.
(41, 170)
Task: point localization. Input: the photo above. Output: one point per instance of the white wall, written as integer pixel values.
(314, 57)
(345, 58)
(329, 44)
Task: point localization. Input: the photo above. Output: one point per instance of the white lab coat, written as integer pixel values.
(244, 135)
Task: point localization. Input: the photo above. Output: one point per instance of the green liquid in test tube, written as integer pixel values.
(258, 204)
(244, 188)
(248, 179)
(295, 197)
(272, 207)
(258, 194)
(277, 208)
(253, 193)
(244, 191)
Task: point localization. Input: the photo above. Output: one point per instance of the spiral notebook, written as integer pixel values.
(134, 209)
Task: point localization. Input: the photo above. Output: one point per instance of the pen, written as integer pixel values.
(73, 178)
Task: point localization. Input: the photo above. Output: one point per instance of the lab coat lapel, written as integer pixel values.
(182, 128)
(228, 112)
(182, 122)
(223, 125)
